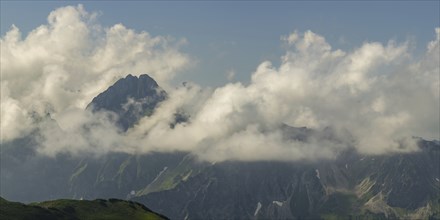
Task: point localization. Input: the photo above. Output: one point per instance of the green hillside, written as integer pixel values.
(111, 209)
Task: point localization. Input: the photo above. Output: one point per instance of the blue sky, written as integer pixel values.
(227, 35)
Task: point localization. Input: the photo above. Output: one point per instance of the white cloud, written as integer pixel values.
(14, 120)
(68, 61)
(230, 74)
(373, 98)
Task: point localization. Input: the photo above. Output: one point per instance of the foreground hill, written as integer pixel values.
(77, 209)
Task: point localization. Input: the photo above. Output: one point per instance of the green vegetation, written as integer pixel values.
(170, 178)
(435, 208)
(347, 205)
(364, 189)
(112, 209)
(15, 210)
(344, 205)
(341, 204)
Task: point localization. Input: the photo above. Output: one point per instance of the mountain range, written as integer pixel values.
(351, 186)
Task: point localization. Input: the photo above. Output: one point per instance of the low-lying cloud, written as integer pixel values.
(374, 98)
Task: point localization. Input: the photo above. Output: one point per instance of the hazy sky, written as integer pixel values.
(225, 36)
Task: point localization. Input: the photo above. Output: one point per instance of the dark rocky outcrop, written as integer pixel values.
(130, 98)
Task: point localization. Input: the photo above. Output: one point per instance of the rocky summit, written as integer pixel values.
(130, 98)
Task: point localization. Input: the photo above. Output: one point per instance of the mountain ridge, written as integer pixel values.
(180, 186)
(130, 98)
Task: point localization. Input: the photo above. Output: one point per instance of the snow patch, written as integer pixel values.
(317, 173)
(346, 166)
(278, 203)
(438, 180)
(160, 173)
(258, 209)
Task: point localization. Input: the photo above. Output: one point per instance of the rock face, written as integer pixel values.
(130, 98)
(233, 190)
(353, 186)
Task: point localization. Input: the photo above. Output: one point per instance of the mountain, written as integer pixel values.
(130, 98)
(77, 209)
(405, 186)
(28, 177)
(353, 186)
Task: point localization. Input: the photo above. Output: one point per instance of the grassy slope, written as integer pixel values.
(75, 209)
(363, 204)
(15, 210)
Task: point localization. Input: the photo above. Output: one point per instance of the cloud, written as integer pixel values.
(65, 63)
(373, 98)
(230, 74)
(77, 132)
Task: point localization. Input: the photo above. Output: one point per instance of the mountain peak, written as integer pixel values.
(130, 98)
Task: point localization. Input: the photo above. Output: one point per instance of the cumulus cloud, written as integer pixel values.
(374, 98)
(65, 63)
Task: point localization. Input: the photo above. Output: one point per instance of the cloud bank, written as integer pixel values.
(374, 98)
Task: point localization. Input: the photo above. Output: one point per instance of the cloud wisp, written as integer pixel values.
(374, 98)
